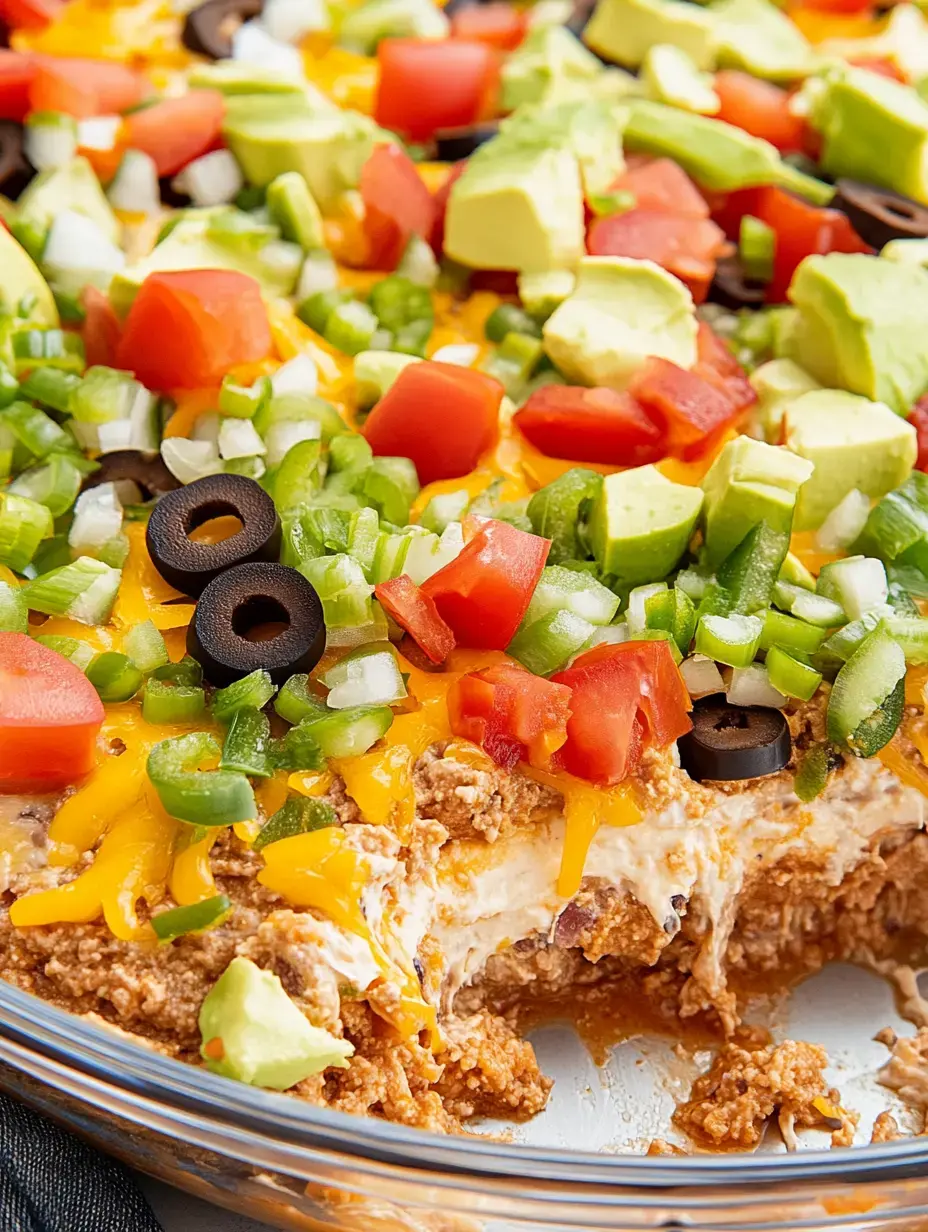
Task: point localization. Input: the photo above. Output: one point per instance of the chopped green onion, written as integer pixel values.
(349, 452)
(10, 387)
(673, 611)
(298, 750)
(911, 632)
(296, 701)
(547, 643)
(349, 733)
(389, 556)
(897, 528)
(510, 319)
(366, 677)
(293, 208)
(729, 639)
(84, 590)
(204, 797)
(114, 676)
(297, 479)
(244, 401)
(79, 653)
(34, 348)
(514, 362)
(790, 676)
(350, 327)
(558, 512)
(186, 671)
(901, 601)
(193, 918)
(55, 484)
(843, 642)
(405, 310)
(391, 485)
(804, 605)
(329, 527)
(812, 772)
(757, 243)
(318, 308)
(862, 708)
(792, 634)
(106, 394)
(37, 431)
(145, 646)
(247, 744)
(165, 701)
(444, 508)
(340, 583)
(14, 611)
(299, 815)
(250, 693)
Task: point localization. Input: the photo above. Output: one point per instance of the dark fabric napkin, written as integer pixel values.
(51, 1181)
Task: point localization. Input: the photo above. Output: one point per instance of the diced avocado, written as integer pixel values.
(623, 30)
(253, 1032)
(909, 252)
(873, 129)
(375, 372)
(861, 326)
(19, 277)
(364, 27)
(523, 211)
(189, 247)
(758, 37)
(749, 482)
(902, 39)
(327, 147)
(717, 155)
(291, 206)
(235, 77)
(852, 443)
(621, 312)
(670, 76)
(73, 186)
(548, 55)
(589, 128)
(778, 383)
(541, 292)
(641, 524)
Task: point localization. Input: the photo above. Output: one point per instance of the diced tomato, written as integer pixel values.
(590, 425)
(623, 698)
(662, 184)
(84, 88)
(415, 611)
(690, 410)
(50, 715)
(716, 364)
(426, 85)
(497, 24)
(29, 14)
(497, 282)
(760, 108)
(16, 73)
(685, 246)
(174, 131)
(397, 205)
(185, 330)
(101, 329)
(712, 351)
(881, 65)
(440, 203)
(484, 592)
(513, 715)
(442, 416)
(843, 7)
(801, 229)
(919, 421)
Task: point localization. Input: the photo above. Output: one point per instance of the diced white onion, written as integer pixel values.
(604, 635)
(213, 179)
(296, 376)
(845, 522)
(461, 353)
(238, 438)
(636, 604)
(750, 686)
(701, 676)
(251, 44)
(135, 188)
(317, 274)
(206, 428)
(371, 680)
(281, 437)
(289, 21)
(97, 519)
(75, 242)
(857, 583)
(49, 145)
(98, 132)
(428, 552)
(189, 460)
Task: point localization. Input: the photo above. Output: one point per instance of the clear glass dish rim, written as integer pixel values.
(66, 1039)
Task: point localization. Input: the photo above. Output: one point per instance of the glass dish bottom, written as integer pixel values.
(294, 1166)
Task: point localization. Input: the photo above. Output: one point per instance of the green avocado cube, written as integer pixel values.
(749, 482)
(861, 326)
(852, 443)
(73, 186)
(548, 55)
(291, 206)
(19, 278)
(253, 1032)
(758, 37)
(670, 76)
(623, 30)
(778, 383)
(621, 312)
(641, 524)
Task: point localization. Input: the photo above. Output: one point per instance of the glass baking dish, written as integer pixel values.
(300, 1167)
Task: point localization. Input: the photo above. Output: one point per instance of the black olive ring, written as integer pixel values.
(147, 470)
(729, 743)
(243, 599)
(878, 215)
(15, 169)
(454, 144)
(207, 28)
(190, 566)
(731, 289)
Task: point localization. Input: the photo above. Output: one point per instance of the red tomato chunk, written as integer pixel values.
(426, 85)
(513, 715)
(590, 425)
(413, 610)
(397, 206)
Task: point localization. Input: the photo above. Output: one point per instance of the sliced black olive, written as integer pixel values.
(453, 144)
(145, 469)
(4, 34)
(191, 566)
(731, 289)
(253, 616)
(208, 28)
(15, 169)
(734, 742)
(878, 215)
